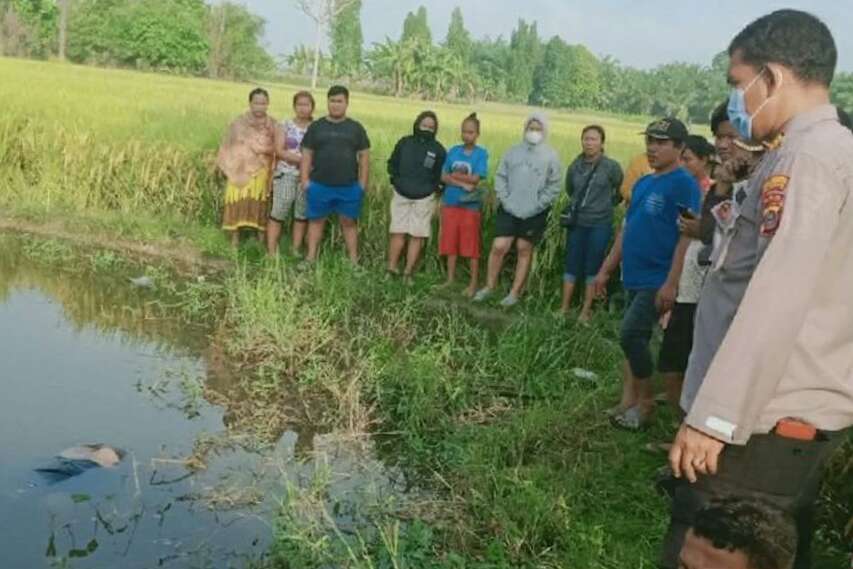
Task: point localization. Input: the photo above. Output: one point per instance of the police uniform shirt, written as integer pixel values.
(774, 330)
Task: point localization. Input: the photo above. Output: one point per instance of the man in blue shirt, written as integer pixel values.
(651, 251)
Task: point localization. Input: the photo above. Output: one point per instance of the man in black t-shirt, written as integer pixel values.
(335, 167)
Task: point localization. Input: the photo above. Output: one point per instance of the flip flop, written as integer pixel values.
(658, 448)
(630, 420)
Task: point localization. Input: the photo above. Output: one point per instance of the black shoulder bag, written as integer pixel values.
(569, 217)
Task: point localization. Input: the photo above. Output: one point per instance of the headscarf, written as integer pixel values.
(542, 119)
(247, 148)
(416, 129)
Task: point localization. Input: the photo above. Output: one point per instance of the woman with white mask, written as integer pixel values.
(527, 183)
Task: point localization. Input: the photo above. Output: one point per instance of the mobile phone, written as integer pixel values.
(684, 211)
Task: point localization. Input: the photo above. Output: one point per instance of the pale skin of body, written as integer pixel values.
(469, 183)
(303, 108)
(502, 245)
(593, 148)
(398, 240)
(337, 107)
(699, 553)
(664, 157)
(258, 107)
(780, 95)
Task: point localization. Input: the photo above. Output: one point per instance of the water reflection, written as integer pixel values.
(87, 358)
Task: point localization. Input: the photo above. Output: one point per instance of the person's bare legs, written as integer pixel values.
(524, 249)
(412, 255)
(315, 236)
(475, 278)
(588, 299)
(300, 227)
(630, 397)
(673, 383)
(500, 247)
(273, 236)
(451, 269)
(568, 292)
(349, 227)
(645, 396)
(395, 249)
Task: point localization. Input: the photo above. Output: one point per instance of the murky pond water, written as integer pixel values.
(83, 361)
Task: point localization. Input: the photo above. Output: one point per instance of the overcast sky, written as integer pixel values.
(640, 33)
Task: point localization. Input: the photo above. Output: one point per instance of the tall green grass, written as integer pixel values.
(93, 142)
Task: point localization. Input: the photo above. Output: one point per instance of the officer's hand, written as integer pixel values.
(665, 299)
(694, 452)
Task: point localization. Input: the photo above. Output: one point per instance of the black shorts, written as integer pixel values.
(531, 229)
(677, 339)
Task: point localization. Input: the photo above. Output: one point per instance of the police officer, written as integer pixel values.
(769, 388)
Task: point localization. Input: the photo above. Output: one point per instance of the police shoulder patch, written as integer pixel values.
(772, 203)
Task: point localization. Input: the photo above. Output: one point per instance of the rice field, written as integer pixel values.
(102, 142)
(528, 472)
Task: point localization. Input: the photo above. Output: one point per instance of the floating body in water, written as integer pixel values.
(77, 460)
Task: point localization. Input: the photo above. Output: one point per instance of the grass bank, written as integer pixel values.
(484, 412)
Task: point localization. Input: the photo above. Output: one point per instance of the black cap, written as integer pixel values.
(667, 129)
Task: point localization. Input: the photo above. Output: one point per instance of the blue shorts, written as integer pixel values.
(586, 248)
(322, 200)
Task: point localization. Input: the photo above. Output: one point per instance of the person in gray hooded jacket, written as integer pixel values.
(527, 183)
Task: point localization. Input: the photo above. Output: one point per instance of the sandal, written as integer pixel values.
(658, 448)
(631, 420)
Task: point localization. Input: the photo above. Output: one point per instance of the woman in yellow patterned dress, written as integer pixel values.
(246, 158)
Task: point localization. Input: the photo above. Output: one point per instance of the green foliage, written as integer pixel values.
(301, 61)
(158, 34)
(162, 34)
(183, 36)
(347, 40)
(525, 53)
(28, 27)
(567, 77)
(458, 39)
(842, 91)
(423, 69)
(416, 27)
(236, 37)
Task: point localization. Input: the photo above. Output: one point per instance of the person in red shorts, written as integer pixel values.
(466, 166)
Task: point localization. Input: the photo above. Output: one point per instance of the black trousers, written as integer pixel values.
(782, 471)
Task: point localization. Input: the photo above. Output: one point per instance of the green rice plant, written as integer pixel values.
(133, 146)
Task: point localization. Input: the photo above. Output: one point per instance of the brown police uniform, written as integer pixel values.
(774, 330)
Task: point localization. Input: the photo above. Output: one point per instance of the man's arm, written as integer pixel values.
(394, 162)
(467, 182)
(617, 178)
(307, 166)
(611, 262)
(667, 294)
(501, 181)
(364, 168)
(553, 184)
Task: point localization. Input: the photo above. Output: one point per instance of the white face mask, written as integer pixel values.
(534, 136)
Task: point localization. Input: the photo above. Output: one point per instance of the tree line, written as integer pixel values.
(525, 68)
(178, 36)
(225, 41)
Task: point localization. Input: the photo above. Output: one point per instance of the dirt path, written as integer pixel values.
(185, 257)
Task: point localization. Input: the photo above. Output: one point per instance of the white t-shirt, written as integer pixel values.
(692, 276)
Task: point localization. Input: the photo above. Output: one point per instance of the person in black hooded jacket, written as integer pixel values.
(415, 169)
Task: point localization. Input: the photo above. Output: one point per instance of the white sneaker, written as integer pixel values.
(482, 295)
(509, 301)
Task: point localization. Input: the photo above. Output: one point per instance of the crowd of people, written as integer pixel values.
(739, 250)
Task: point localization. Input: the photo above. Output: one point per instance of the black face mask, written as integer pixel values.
(426, 134)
